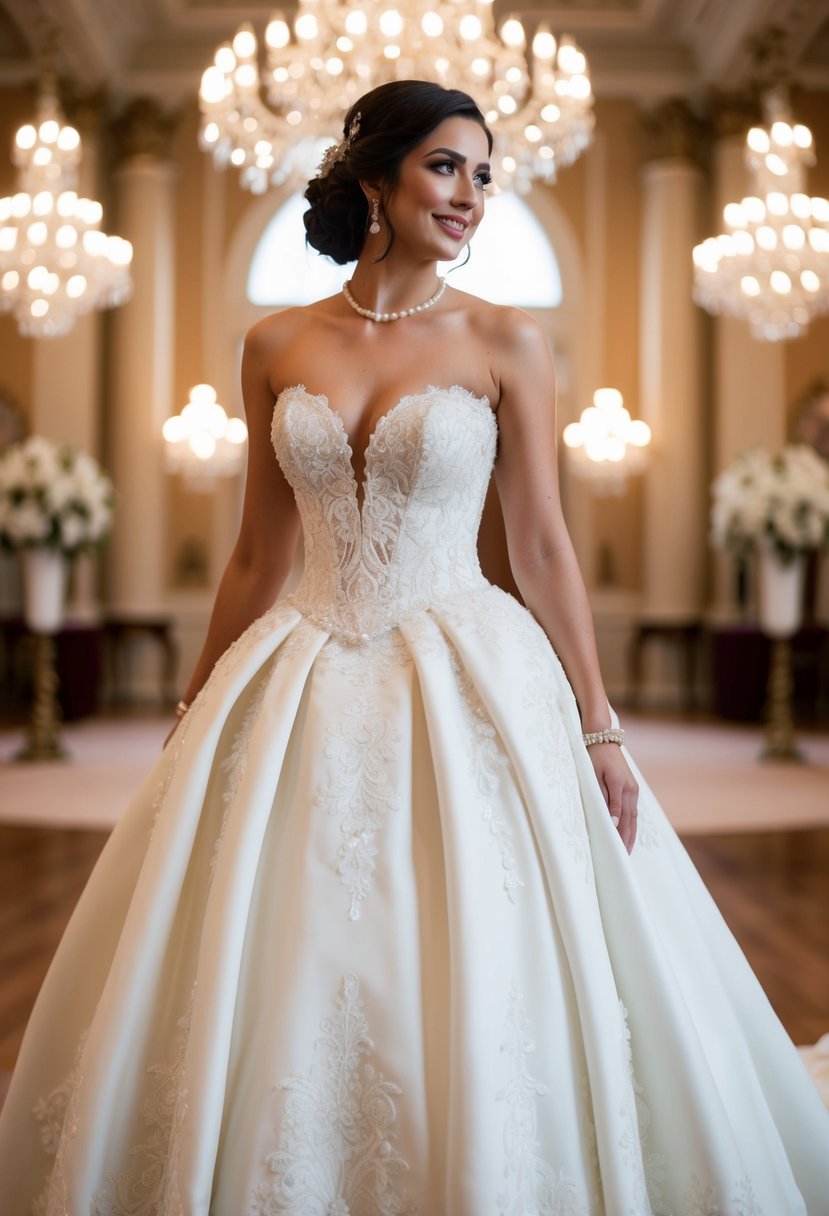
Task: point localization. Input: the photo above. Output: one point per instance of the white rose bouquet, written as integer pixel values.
(779, 499)
(53, 497)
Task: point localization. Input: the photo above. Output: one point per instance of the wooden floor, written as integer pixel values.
(773, 889)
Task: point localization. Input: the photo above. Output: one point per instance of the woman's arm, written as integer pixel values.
(540, 550)
(264, 551)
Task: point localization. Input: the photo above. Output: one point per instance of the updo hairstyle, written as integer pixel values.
(394, 118)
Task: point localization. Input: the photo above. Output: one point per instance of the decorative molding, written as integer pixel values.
(672, 131)
(732, 112)
(144, 128)
(85, 109)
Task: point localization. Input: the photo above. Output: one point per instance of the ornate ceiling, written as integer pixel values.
(646, 49)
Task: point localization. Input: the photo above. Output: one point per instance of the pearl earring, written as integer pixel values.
(374, 226)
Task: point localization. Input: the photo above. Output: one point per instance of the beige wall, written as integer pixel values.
(16, 353)
(807, 359)
(618, 522)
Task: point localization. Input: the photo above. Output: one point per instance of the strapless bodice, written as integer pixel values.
(413, 540)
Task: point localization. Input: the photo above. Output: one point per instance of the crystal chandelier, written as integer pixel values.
(606, 444)
(771, 266)
(538, 104)
(55, 263)
(201, 442)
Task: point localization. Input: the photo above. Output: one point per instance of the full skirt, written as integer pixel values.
(366, 943)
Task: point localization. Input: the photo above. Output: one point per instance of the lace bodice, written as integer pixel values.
(412, 541)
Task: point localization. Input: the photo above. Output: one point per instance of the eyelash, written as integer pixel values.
(484, 178)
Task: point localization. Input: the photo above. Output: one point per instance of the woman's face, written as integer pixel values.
(438, 200)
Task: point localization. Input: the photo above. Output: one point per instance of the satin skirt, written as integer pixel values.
(366, 943)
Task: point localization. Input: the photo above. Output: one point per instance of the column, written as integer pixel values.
(671, 372)
(141, 369)
(748, 376)
(66, 389)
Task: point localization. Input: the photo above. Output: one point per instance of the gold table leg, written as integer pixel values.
(43, 736)
(780, 743)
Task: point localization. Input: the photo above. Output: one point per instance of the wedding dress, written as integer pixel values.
(367, 942)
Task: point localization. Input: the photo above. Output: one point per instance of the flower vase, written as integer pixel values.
(781, 611)
(44, 588)
(44, 591)
(781, 594)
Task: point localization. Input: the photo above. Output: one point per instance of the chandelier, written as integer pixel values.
(771, 266)
(538, 104)
(55, 263)
(606, 444)
(201, 442)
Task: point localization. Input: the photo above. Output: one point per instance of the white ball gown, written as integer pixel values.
(366, 943)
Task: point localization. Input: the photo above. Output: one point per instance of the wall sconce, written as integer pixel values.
(606, 445)
(202, 443)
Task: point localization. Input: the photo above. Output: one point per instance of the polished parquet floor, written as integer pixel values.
(772, 887)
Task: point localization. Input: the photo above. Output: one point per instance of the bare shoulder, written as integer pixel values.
(277, 347)
(276, 331)
(516, 345)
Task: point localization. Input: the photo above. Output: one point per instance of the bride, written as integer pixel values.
(395, 926)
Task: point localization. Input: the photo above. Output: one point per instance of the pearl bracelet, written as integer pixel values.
(181, 709)
(611, 734)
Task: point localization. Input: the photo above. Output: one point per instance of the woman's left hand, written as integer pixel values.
(619, 787)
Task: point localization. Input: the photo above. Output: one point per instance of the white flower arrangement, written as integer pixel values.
(777, 499)
(53, 497)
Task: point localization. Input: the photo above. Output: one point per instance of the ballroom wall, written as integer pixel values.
(600, 202)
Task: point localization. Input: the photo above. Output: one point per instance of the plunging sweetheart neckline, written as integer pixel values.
(361, 485)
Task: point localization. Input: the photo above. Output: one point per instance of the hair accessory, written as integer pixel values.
(338, 151)
(611, 734)
(374, 226)
(393, 316)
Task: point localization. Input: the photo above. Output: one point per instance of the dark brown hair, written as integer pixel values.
(394, 118)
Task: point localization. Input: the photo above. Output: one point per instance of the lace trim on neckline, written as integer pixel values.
(322, 399)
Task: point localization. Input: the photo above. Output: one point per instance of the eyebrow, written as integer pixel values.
(458, 156)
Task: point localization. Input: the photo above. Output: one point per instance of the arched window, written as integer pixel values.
(512, 261)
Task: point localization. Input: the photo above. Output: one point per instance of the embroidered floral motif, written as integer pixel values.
(745, 1201)
(50, 1112)
(173, 759)
(535, 1188)
(701, 1199)
(548, 731)
(261, 628)
(149, 1185)
(648, 1167)
(369, 664)
(413, 540)
(487, 761)
(236, 762)
(336, 1155)
(363, 751)
(57, 1116)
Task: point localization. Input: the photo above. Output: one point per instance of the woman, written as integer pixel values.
(374, 938)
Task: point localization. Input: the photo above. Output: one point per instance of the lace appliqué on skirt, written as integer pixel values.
(57, 1119)
(149, 1186)
(363, 751)
(534, 1187)
(487, 761)
(550, 737)
(335, 1154)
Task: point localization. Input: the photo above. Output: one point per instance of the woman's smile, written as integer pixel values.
(453, 224)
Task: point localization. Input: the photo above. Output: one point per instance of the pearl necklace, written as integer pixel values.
(393, 316)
